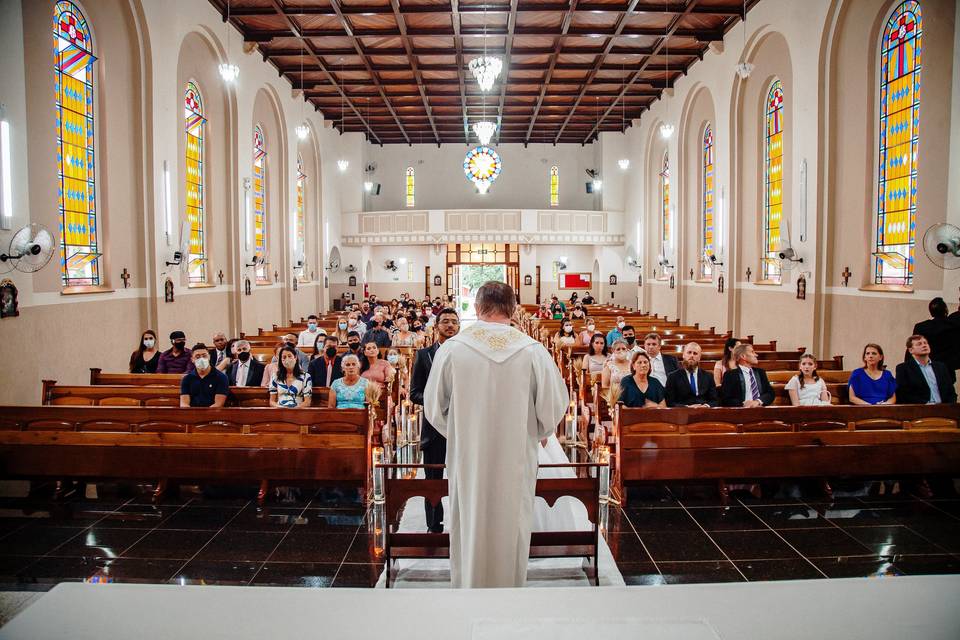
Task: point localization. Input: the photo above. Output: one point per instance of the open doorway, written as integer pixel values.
(471, 265)
(469, 278)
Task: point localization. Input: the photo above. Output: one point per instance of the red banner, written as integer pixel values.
(575, 280)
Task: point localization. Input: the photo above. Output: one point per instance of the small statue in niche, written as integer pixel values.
(639, 279)
(295, 281)
(9, 307)
(613, 281)
(326, 282)
(276, 276)
(168, 290)
(720, 284)
(801, 288)
(352, 282)
(673, 281)
(246, 286)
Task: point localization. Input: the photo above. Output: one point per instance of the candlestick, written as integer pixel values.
(378, 495)
(603, 457)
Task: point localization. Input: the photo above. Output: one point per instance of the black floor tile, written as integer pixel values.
(212, 572)
(763, 570)
(234, 546)
(304, 546)
(297, 574)
(264, 519)
(640, 573)
(647, 519)
(171, 545)
(136, 570)
(618, 521)
(893, 540)
(650, 496)
(138, 516)
(330, 520)
(99, 542)
(200, 518)
(36, 540)
(824, 543)
(726, 518)
(927, 564)
(346, 496)
(949, 506)
(753, 545)
(680, 546)
(358, 575)
(790, 516)
(11, 566)
(906, 513)
(9, 525)
(363, 550)
(946, 535)
(54, 570)
(626, 547)
(699, 572)
(857, 567)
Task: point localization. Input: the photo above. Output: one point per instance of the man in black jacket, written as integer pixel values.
(943, 335)
(245, 370)
(432, 444)
(747, 384)
(325, 366)
(921, 380)
(690, 386)
(661, 364)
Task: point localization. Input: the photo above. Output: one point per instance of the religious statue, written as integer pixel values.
(613, 280)
(168, 290)
(720, 284)
(246, 286)
(295, 285)
(801, 288)
(9, 307)
(673, 282)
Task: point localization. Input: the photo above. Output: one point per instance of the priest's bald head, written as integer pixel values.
(495, 301)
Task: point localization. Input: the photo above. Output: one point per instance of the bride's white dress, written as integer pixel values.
(567, 514)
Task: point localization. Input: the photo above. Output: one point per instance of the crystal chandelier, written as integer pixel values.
(624, 163)
(484, 131)
(342, 165)
(486, 69)
(666, 130)
(229, 72)
(303, 130)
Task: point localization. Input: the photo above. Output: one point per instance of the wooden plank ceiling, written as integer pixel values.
(397, 69)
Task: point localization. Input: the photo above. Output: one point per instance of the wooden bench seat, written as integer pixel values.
(154, 396)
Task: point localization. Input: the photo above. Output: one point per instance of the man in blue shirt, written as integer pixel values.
(921, 380)
(205, 386)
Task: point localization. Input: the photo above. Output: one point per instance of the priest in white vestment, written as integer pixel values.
(494, 393)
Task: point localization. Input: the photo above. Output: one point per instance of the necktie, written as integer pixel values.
(693, 383)
(754, 389)
(242, 375)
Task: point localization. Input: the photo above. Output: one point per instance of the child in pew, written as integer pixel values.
(807, 388)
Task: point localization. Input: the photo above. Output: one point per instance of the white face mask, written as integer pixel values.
(352, 321)
(591, 327)
(148, 343)
(393, 358)
(567, 329)
(202, 363)
(621, 325)
(620, 355)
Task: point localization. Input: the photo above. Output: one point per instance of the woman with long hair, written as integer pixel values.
(618, 366)
(290, 386)
(341, 330)
(597, 355)
(146, 357)
(372, 366)
(565, 337)
(807, 388)
(725, 363)
(589, 329)
(872, 383)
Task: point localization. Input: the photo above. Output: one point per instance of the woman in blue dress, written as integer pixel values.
(872, 383)
(350, 391)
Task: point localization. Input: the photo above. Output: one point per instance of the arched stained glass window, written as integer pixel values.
(773, 182)
(665, 210)
(411, 187)
(899, 137)
(195, 122)
(76, 169)
(260, 202)
(300, 249)
(706, 214)
(554, 186)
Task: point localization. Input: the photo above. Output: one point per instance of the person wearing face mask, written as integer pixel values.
(290, 340)
(543, 313)
(565, 337)
(587, 298)
(586, 335)
(630, 337)
(341, 330)
(617, 333)
(404, 337)
(376, 333)
(290, 387)
(327, 366)
(245, 370)
(354, 324)
(204, 386)
(353, 343)
(308, 337)
(147, 356)
(578, 313)
(618, 366)
(176, 359)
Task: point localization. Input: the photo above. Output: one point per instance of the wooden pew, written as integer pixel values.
(154, 396)
(221, 445)
(784, 442)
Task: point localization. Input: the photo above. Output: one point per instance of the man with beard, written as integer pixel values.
(689, 386)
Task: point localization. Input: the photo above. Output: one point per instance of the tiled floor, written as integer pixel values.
(325, 540)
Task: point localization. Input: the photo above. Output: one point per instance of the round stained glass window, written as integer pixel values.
(482, 164)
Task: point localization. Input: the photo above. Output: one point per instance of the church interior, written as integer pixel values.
(214, 185)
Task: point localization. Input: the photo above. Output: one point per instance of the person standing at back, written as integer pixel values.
(943, 336)
(432, 444)
(494, 393)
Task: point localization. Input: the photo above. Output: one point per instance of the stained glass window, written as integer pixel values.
(300, 249)
(260, 203)
(411, 187)
(664, 208)
(76, 188)
(706, 222)
(554, 187)
(773, 182)
(194, 120)
(899, 137)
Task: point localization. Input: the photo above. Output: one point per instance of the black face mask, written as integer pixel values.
(243, 356)
(292, 345)
(179, 345)
(354, 346)
(331, 351)
(417, 327)
(630, 340)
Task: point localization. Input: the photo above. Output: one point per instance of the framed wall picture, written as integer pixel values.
(527, 280)
(9, 307)
(352, 282)
(437, 281)
(575, 280)
(613, 280)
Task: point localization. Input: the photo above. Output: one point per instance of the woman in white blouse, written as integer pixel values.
(807, 388)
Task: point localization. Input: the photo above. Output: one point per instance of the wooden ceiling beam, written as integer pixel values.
(412, 59)
(379, 9)
(508, 54)
(455, 18)
(702, 35)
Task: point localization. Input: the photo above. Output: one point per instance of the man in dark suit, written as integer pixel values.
(943, 335)
(432, 444)
(661, 364)
(690, 386)
(921, 380)
(326, 366)
(245, 370)
(747, 384)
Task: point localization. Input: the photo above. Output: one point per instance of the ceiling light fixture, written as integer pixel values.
(342, 165)
(666, 129)
(486, 69)
(228, 71)
(624, 163)
(744, 69)
(303, 129)
(484, 130)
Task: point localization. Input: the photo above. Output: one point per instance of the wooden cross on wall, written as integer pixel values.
(220, 276)
(749, 273)
(846, 275)
(125, 276)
